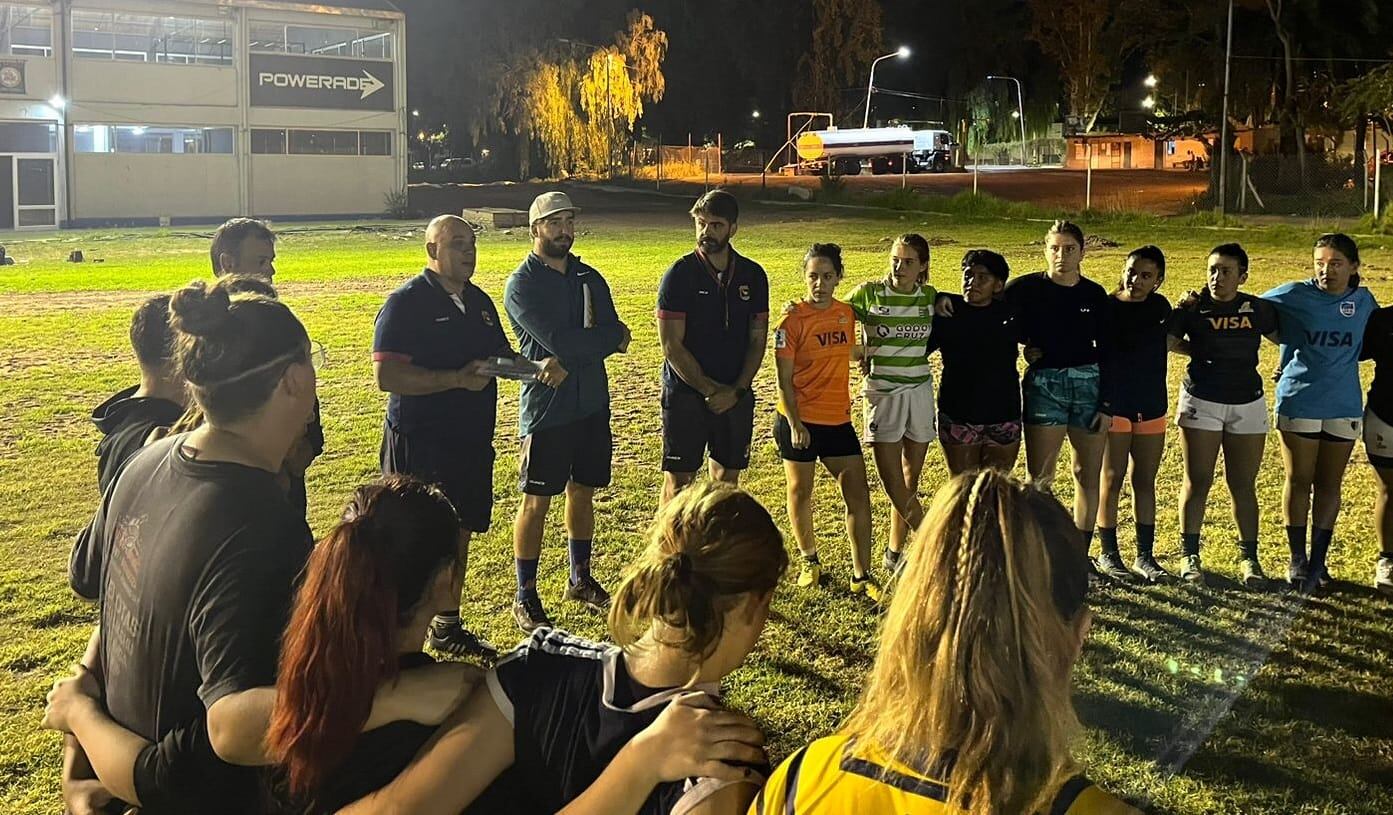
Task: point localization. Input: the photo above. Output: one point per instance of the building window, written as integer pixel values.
(28, 137)
(322, 142)
(151, 139)
(26, 30)
(146, 38)
(321, 41)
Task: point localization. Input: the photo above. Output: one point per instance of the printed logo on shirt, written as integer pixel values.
(780, 338)
(1245, 308)
(703, 291)
(826, 338)
(902, 332)
(1347, 308)
(882, 310)
(1230, 323)
(1084, 309)
(841, 320)
(1330, 339)
(744, 293)
(488, 317)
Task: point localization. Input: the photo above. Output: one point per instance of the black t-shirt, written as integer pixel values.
(125, 421)
(194, 564)
(1224, 340)
(421, 323)
(979, 345)
(1134, 360)
(573, 707)
(719, 310)
(1067, 323)
(1378, 346)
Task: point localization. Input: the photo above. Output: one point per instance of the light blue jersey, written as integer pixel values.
(1321, 334)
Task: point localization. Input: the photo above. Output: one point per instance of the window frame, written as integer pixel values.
(360, 35)
(226, 33)
(288, 139)
(176, 134)
(48, 50)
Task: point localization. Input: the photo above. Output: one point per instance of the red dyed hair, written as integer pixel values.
(362, 583)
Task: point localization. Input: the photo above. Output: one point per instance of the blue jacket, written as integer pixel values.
(548, 311)
(1321, 335)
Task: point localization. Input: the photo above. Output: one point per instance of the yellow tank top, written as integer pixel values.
(833, 777)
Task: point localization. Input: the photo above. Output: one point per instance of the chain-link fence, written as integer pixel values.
(1315, 184)
(660, 162)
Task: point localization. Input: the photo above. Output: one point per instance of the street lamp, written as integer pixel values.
(1020, 111)
(1150, 81)
(754, 115)
(901, 52)
(1149, 102)
(416, 113)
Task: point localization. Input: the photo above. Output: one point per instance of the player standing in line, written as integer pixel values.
(431, 341)
(585, 727)
(1319, 405)
(979, 399)
(1221, 405)
(564, 319)
(713, 322)
(895, 314)
(814, 345)
(1378, 437)
(1134, 370)
(989, 616)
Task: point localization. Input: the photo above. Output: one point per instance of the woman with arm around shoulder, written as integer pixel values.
(583, 727)
(979, 399)
(1378, 437)
(1134, 369)
(1319, 405)
(959, 654)
(814, 344)
(1221, 406)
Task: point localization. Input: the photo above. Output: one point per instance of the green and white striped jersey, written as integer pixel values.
(896, 328)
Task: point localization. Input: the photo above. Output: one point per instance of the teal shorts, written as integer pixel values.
(1061, 396)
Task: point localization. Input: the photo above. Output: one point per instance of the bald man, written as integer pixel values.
(429, 347)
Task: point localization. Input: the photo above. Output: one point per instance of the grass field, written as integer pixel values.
(1213, 700)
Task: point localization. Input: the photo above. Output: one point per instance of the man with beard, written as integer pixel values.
(564, 319)
(713, 322)
(432, 338)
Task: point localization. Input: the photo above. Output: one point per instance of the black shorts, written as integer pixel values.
(825, 441)
(461, 468)
(579, 452)
(689, 427)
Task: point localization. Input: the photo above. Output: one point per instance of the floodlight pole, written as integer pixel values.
(1224, 121)
(1020, 111)
(870, 84)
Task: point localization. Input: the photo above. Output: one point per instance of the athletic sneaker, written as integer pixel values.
(892, 561)
(590, 593)
(452, 639)
(529, 612)
(1190, 570)
(1297, 571)
(1251, 574)
(1146, 567)
(1110, 565)
(811, 574)
(1383, 575)
(868, 586)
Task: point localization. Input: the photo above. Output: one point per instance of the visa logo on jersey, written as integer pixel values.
(1330, 339)
(1230, 323)
(827, 338)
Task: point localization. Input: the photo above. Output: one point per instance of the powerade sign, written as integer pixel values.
(290, 81)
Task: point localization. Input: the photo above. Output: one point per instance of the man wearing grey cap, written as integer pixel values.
(564, 318)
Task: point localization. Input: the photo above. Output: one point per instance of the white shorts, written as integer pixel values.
(1195, 413)
(909, 414)
(1378, 440)
(1340, 429)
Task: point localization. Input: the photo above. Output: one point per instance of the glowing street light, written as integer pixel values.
(1150, 81)
(901, 52)
(754, 115)
(416, 113)
(1015, 114)
(57, 102)
(1149, 102)
(1019, 115)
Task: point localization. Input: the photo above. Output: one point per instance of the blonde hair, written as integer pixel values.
(972, 679)
(706, 547)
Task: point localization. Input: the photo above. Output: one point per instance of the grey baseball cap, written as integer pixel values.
(548, 204)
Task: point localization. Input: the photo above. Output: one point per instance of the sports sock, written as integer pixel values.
(1296, 542)
(892, 558)
(447, 619)
(811, 558)
(579, 549)
(1320, 546)
(1087, 538)
(1248, 549)
(1146, 539)
(1107, 539)
(527, 575)
(1190, 543)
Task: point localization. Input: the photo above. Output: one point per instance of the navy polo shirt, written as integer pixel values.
(421, 323)
(719, 310)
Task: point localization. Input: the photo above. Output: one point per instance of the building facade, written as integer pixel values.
(192, 111)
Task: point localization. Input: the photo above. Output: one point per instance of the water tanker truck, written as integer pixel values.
(882, 149)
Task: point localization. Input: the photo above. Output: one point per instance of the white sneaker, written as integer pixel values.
(1383, 575)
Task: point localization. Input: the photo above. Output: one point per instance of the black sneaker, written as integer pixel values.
(1146, 567)
(891, 560)
(1109, 564)
(590, 593)
(452, 639)
(529, 612)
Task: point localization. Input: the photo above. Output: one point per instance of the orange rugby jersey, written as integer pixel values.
(819, 341)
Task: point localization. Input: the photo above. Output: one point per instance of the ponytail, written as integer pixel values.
(706, 547)
(362, 583)
(971, 680)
